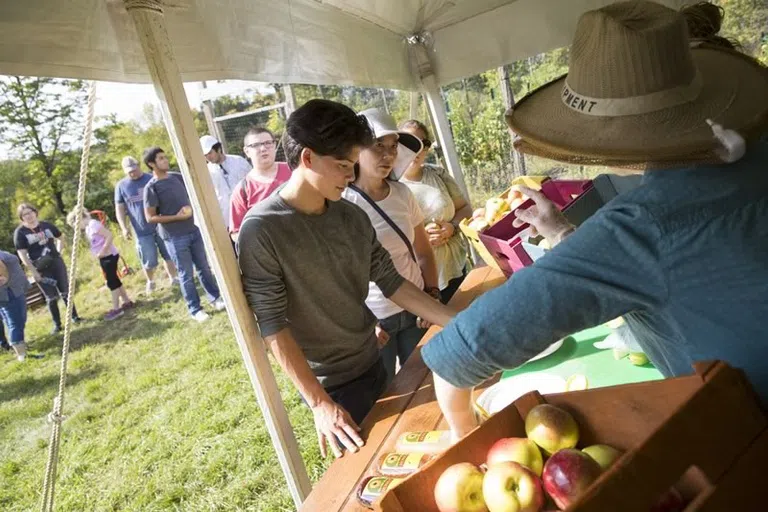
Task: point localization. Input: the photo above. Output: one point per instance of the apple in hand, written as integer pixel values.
(567, 474)
(511, 487)
(517, 449)
(460, 489)
(551, 428)
(603, 454)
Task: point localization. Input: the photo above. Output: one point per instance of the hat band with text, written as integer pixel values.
(633, 105)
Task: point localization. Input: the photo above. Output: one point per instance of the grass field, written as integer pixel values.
(160, 412)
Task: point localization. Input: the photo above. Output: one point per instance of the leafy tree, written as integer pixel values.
(39, 118)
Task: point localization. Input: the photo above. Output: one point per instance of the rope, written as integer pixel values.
(56, 417)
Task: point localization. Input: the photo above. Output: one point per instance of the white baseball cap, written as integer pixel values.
(408, 146)
(207, 142)
(130, 164)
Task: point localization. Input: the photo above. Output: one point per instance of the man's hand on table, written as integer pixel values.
(333, 425)
(544, 217)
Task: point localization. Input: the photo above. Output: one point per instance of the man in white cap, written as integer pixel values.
(226, 172)
(682, 257)
(129, 202)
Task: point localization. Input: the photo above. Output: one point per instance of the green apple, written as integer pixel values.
(517, 449)
(551, 428)
(460, 489)
(511, 487)
(603, 454)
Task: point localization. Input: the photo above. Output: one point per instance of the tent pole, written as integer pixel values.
(436, 106)
(150, 26)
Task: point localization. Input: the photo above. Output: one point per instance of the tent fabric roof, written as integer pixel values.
(361, 42)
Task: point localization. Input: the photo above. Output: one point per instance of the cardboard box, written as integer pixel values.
(706, 434)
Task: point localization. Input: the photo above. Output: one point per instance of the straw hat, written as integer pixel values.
(638, 94)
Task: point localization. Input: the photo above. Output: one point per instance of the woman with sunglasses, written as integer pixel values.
(399, 226)
(444, 206)
(265, 177)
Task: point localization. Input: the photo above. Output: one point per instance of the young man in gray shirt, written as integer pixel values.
(307, 258)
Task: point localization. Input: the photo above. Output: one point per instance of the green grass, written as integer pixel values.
(160, 412)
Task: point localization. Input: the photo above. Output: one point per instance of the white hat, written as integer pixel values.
(207, 142)
(129, 163)
(408, 147)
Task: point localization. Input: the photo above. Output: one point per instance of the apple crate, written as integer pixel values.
(705, 434)
(577, 199)
(474, 237)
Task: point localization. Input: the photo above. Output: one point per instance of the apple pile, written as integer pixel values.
(496, 208)
(518, 480)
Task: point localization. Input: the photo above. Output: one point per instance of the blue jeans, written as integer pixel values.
(188, 253)
(14, 314)
(404, 335)
(148, 246)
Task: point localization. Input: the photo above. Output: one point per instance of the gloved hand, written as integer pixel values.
(544, 217)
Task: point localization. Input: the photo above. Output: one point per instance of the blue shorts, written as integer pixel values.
(147, 246)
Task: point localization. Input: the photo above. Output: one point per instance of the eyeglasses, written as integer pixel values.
(427, 143)
(258, 145)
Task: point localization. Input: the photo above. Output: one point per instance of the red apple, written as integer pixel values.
(603, 454)
(511, 487)
(460, 489)
(670, 501)
(517, 449)
(551, 428)
(567, 474)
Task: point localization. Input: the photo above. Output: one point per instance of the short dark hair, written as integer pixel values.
(327, 128)
(24, 206)
(258, 130)
(150, 155)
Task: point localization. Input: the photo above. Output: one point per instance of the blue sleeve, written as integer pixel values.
(608, 267)
(118, 194)
(150, 196)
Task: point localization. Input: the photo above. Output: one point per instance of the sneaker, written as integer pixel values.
(219, 304)
(56, 329)
(76, 319)
(201, 316)
(21, 357)
(150, 287)
(128, 305)
(115, 313)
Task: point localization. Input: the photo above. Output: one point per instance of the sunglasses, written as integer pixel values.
(427, 143)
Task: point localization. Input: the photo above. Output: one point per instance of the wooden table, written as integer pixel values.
(409, 404)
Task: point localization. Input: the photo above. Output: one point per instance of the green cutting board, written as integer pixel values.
(577, 355)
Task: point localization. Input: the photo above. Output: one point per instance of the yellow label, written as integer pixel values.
(429, 437)
(412, 461)
(433, 436)
(377, 486)
(402, 461)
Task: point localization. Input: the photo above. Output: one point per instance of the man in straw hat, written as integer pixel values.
(684, 257)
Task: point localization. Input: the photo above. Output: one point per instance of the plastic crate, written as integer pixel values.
(577, 199)
(706, 434)
(474, 237)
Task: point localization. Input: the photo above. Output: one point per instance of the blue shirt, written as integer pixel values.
(131, 193)
(684, 256)
(169, 195)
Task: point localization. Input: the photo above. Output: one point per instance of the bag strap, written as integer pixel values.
(387, 219)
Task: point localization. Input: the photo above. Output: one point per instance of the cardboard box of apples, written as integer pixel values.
(691, 443)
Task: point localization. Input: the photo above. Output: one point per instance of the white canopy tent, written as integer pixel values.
(403, 44)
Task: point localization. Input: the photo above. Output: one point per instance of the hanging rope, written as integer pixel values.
(56, 417)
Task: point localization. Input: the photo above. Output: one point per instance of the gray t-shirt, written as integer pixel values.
(169, 195)
(311, 273)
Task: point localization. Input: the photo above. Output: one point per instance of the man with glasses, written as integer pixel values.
(265, 177)
(226, 172)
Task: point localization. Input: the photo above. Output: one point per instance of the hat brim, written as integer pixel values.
(408, 147)
(734, 94)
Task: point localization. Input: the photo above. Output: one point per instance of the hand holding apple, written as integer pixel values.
(460, 489)
(511, 487)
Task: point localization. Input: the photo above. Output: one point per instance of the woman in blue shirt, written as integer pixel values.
(682, 257)
(13, 301)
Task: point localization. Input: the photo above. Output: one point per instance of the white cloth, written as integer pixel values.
(224, 183)
(404, 211)
(435, 194)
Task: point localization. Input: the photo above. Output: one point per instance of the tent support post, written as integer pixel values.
(150, 26)
(436, 105)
